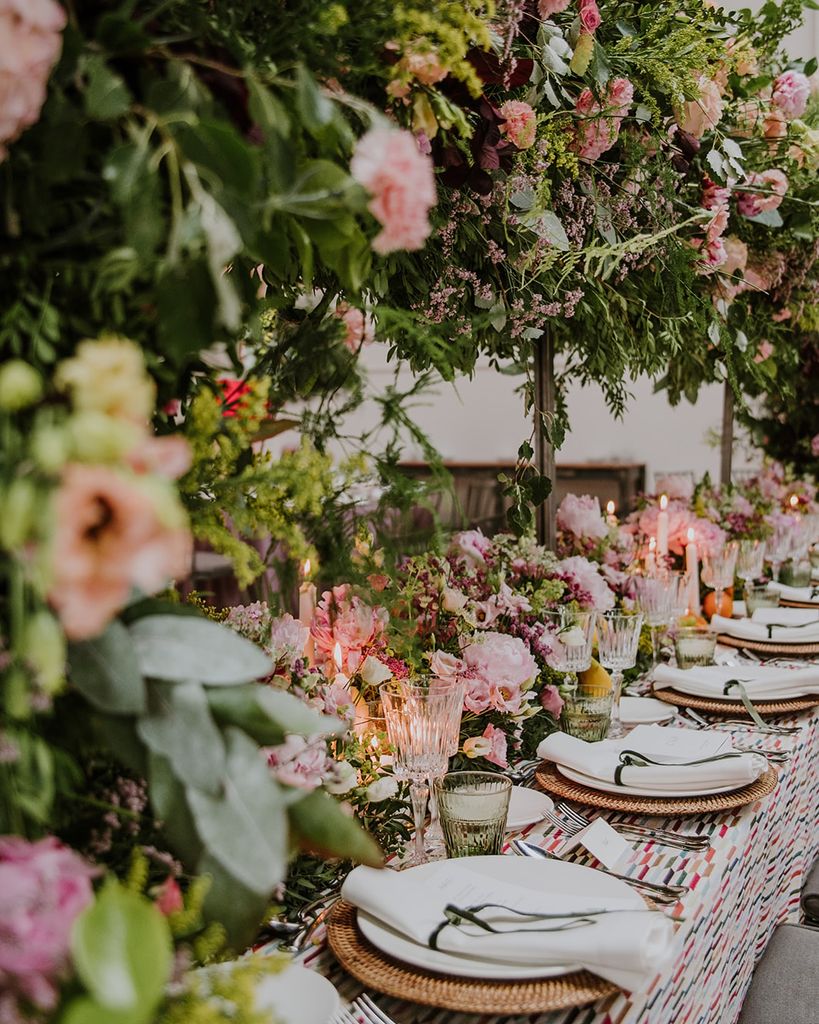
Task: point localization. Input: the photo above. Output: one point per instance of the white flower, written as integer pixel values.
(573, 637)
(342, 779)
(453, 600)
(382, 789)
(375, 672)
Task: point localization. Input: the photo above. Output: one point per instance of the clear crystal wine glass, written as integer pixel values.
(655, 598)
(718, 569)
(779, 547)
(573, 636)
(617, 638)
(434, 841)
(419, 724)
(750, 559)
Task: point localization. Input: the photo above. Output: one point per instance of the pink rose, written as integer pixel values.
(497, 746)
(445, 666)
(751, 204)
(401, 181)
(519, 124)
(589, 16)
(580, 515)
(30, 45)
(551, 701)
(546, 8)
(358, 327)
(109, 536)
(791, 91)
(765, 351)
(598, 124)
(499, 669)
(44, 886)
(702, 114)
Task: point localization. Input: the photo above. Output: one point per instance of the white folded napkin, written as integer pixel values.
(788, 625)
(624, 947)
(804, 594)
(761, 682)
(602, 761)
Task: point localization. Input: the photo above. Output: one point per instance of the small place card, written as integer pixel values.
(601, 841)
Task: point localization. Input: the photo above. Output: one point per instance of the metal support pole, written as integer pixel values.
(544, 452)
(727, 445)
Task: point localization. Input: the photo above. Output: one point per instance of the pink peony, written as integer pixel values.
(587, 577)
(702, 114)
(814, 446)
(338, 701)
(589, 16)
(751, 204)
(519, 124)
(580, 515)
(499, 669)
(345, 620)
(546, 8)
(44, 886)
(679, 521)
(497, 746)
(551, 701)
(598, 126)
(109, 537)
(30, 45)
(401, 181)
(358, 327)
(472, 546)
(300, 763)
(791, 91)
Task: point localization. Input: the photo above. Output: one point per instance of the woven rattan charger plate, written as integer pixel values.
(767, 646)
(378, 971)
(553, 782)
(735, 708)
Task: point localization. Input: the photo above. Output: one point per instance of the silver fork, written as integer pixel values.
(769, 730)
(371, 1013)
(523, 771)
(642, 832)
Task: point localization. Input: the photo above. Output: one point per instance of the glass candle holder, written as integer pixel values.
(694, 646)
(586, 712)
(759, 595)
(473, 807)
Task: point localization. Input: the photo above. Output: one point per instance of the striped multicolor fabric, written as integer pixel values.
(746, 884)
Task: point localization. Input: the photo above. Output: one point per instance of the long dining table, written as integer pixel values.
(739, 890)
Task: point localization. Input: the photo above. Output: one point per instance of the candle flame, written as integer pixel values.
(610, 508)
(652, 543)
(663, 502)
(794, 501)
(690, 534)
(338, 657)
(305, 569)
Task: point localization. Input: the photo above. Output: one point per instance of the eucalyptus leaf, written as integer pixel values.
(106, 671)
(107, 96)
(322, 827)
(179, 648)
(316, 110)
(269, 715)
(770, 218)
(245, 828)
(180, 727)
(121, 950)
(170, 805)
(238, 909)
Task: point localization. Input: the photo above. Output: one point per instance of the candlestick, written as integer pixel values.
(692, 567)
(307, 608)
(662, 528)
(611, 518)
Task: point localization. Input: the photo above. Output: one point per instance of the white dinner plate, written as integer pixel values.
(612, 787)
(539, 875)
(297, 995)
(644, 711)
(526, 806)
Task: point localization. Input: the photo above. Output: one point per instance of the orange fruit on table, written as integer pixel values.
(726, 605)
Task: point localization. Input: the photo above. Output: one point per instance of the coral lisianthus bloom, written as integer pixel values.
(520, 123)
(111, 533)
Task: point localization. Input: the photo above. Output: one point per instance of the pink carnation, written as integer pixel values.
(589, 16)
(599, 123)
(344, 620)
(401, 181)
(44, 886)
(358, 327)
(702, 114)
(519, 123)
(751, 204)
(546, 8)
(791, 91)
(30, 45)
(580, 515)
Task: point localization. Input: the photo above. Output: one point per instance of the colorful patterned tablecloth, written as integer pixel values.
(747, 883)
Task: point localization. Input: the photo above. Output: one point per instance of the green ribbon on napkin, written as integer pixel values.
(457, 915)
(771, 626)
(634, 759)
(746, 700)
